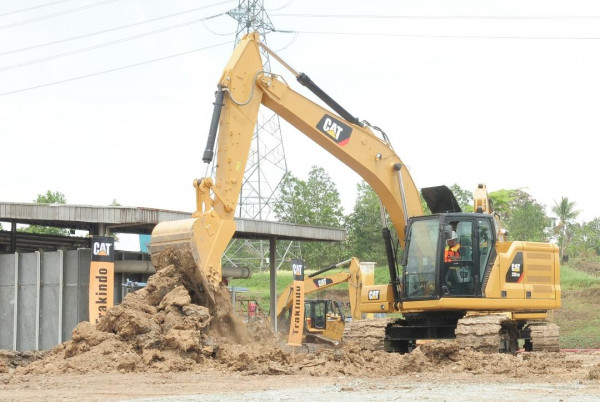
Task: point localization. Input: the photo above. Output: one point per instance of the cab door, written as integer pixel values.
(460, 273)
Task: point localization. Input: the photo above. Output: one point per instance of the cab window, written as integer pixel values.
(419, 272)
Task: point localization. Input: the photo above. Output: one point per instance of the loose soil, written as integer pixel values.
(168, 340)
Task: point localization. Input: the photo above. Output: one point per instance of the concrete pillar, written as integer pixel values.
(13, 237)
(272, 282)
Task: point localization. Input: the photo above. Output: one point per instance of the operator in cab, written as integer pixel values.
(452, 251)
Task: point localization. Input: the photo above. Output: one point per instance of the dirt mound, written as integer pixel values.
(159, 328)
(594, 373)
(10, 360)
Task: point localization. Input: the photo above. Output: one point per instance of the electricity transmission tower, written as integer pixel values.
(266, 166)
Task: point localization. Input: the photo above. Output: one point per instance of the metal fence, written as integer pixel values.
(43, 296)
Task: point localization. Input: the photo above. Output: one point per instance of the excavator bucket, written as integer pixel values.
(195, 246)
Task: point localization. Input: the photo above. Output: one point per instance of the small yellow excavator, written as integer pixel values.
(324, 319)
(498, 292)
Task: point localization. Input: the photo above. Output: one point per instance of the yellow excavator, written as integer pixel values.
(324, 319)
(505, 287)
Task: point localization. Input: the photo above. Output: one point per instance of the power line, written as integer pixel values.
(213, 32)
(115, 29)
(444, 36)
(33, 8)
(45, 17)
(286, 5)
(114, 42)
(289, 43)
(116, 69)
(442, 17)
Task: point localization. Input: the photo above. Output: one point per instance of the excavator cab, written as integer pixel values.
(435, 268)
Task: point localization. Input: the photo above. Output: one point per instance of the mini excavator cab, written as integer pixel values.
(429, 272)
(324, 320)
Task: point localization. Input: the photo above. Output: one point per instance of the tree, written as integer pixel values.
(313, 202)
(501, 200)
(50, 197)
(523, 217)
(463, 197)
(526, 218)
(566, 213)
(585, 240)
(365, 240)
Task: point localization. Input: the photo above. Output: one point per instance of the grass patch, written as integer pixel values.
(258, 287)
(578, 333)
(579, 315)
(571, 278)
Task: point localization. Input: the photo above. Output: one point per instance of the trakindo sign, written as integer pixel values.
(102, 271)
(297, 317)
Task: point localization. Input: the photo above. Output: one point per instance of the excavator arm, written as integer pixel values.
(316, 282)
(243, 87)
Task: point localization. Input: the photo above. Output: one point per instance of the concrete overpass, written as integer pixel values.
(100, 220)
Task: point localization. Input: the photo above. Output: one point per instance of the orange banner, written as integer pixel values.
(102, 278)
(297, 317)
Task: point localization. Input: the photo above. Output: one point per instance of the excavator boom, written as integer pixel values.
(243, 87)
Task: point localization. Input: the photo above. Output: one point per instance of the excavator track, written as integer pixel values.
(369, 334)
(490, 333)
(543, 336)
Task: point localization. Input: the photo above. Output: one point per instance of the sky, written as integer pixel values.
(498, 92)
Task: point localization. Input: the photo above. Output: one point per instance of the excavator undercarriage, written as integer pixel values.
(487, 333)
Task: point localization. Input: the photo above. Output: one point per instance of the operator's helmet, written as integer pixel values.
(453, 237)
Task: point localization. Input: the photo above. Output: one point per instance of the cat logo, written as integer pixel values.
(297, 269)
(515, 273)
(320, 282)
(373, 295)
(103, 248)
(100, 248)
(335, 129)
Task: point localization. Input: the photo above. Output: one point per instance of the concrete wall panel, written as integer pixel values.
(50, 299)
(71, 302)
(27, 304)
(7, 300)
(85, 256)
